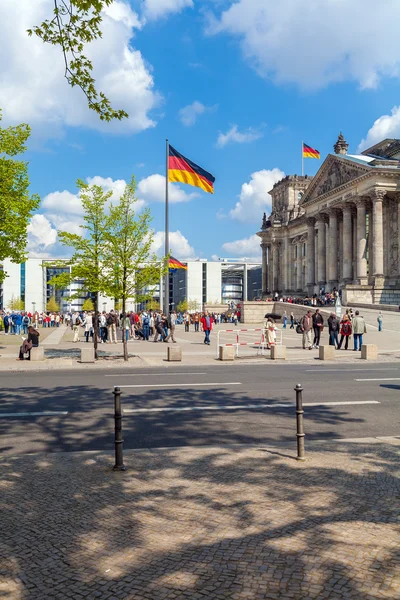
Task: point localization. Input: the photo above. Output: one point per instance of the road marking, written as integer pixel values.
(383, 379)
(242, 406)
(316, 370)
(46, 413)
(164, 385)
(153, 374)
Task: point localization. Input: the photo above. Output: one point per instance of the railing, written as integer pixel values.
(239, 336)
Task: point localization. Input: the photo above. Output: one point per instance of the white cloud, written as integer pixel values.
(32, 84)
(314, 43)
(245, 248)
(41, 235)
(63, 202)
(387, 126)
(154, 9)
(180, 247)
(152, 189)
(240, 137)
(188, 114)
(254, 198)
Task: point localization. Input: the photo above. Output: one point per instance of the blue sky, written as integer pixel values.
(235, 86)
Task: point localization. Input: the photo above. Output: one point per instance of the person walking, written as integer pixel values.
(333, 330)
(76, 323)
(359, 328)
(172, 323)
(270, 332)
(291, 320)
(146, 326)
(112, 327)
(380, 321)
(318, 326)
(158, 328)
(196, 322)
(88, 323)
(306, 324)
(345, 332)
(187, 321)
(284, 319)
(207, 323)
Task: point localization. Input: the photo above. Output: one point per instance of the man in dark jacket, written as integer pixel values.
(318, 323)
(333, 325)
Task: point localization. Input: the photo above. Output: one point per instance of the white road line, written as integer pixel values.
(385, 379)
(242, 406)
(164, 385)
(155, 374)
(46, 413)
(316, 370)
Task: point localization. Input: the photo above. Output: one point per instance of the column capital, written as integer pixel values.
(360, 202)
(310, 221)
(377, 195)
(347, 208)
(321, 218)
(332, 212)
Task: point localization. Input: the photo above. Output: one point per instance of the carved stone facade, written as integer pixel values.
(339, 229)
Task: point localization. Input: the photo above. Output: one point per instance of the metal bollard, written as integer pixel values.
(119, 453)
(299, 418)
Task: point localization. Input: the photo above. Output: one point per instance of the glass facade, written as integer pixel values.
(22, 290)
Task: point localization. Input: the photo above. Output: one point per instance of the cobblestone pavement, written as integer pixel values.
(209, 523)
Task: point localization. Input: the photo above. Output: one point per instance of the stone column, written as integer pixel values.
(310, 255)
(321, 250)
(347, 244)
(285, 264)
(299, 266)
(377, 232)
(264, 276)
(361, 242)
(270, 269)
(333, 249)
(274, 267)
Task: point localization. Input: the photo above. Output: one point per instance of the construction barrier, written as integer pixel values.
(238, 339)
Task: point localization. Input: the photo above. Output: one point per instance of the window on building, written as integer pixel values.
(204, 283)
(22, 290)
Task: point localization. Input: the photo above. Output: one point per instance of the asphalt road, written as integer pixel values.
(240, 404)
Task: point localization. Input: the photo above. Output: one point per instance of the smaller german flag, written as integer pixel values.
(309, 152)
(183, 170)
(173, 263)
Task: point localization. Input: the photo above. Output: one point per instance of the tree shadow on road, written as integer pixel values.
(202, 523)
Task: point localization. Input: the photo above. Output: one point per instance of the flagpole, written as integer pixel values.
(302, 158)
(166, 278)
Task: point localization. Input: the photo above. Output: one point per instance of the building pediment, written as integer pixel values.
(334, 173)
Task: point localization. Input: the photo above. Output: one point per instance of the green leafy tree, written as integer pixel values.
(193, 305)
(52, 305)
(129, 262)
(86, 261)
(16, 303)
(153, 304)
(16, 204)
(182, 306)
(72, 25)
(88, 305)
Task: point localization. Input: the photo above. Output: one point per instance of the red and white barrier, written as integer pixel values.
(261, 342)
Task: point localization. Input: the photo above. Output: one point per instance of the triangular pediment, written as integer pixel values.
(335, 172)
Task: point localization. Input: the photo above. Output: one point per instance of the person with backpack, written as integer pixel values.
(172, 323)
(345, 332)
(333, 330)
(146, 326)
(159, 328)
(25, 323)
(112, 326)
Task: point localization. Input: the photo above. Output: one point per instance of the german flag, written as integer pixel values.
(173, 263)
(183, 170)
(309, 152)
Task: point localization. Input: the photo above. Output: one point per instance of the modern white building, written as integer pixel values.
(202, 282)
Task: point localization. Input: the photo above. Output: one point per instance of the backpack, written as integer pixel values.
(110, 320)
(346, 328)
(146, 321)
(26, 320)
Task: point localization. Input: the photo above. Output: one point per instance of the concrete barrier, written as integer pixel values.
(327, 353)
(174, 354)
(87, 355)
(278, 352)
(37, 354)
(369, 352)
(226, 353)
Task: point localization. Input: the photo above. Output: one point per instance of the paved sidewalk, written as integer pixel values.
(203, 523)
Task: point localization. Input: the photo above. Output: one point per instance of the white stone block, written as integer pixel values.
(37, 353)
(227, 353)
(369, 352)
(278, 352)
(87, 355)
(174, 353)
(327, 353)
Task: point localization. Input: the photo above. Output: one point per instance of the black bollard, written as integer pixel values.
(119, 453)
(299, 418)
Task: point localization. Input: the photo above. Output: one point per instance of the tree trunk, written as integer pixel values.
(124, 340)
(96, 325)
